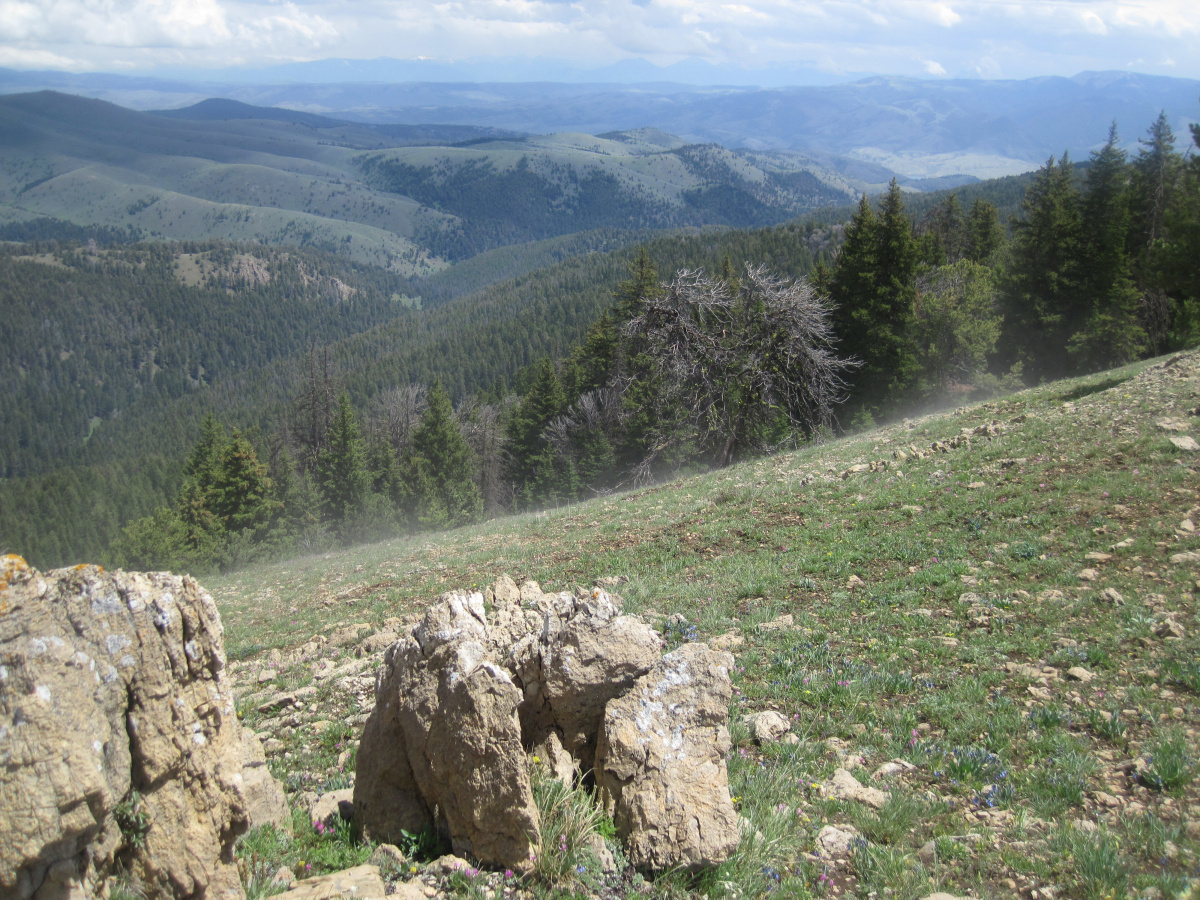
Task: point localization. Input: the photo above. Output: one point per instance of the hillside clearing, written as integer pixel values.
(1001, 599)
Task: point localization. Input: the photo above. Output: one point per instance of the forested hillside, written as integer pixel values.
(386, 403)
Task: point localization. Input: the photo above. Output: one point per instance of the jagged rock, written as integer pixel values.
(595, 656)
(445, 735)
(468, 697)
(113, 694)
(331, 807)
(265, 800)
(844, 786)
(660, 764)
(551, 753)
(768, 726)
(361, 883)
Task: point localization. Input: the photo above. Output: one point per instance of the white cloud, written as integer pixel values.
(1015, 37)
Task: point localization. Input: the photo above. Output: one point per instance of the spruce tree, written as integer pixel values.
(985, 235)
(241, 496)
(1111, 334)
(526, 428)
(341, 467)
(440, 470)
(1045, 303)
(873, 290)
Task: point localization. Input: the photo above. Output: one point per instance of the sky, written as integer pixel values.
(827, 38)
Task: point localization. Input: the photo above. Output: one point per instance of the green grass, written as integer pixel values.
(903, 666)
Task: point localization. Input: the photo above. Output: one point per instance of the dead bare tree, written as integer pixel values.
(398, 410)
(725, 368)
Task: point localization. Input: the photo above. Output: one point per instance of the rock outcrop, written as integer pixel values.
(445, 735)
(660, 765)
(118, 735)
(489, 679)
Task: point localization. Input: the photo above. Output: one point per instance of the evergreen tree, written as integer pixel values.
(443, 492)
(985, 235)
(873, 290)
(957, 323)
(1174, 255)
(1157, 176)
(1111, 334)
(341, 467)
(241, 496)
(526, 429)
(1044, 292)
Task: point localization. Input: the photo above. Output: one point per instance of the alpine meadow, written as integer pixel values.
(535, 490)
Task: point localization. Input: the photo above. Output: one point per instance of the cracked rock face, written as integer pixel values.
(482, 682)
(111, 689)
(445, 735)
(660, 764)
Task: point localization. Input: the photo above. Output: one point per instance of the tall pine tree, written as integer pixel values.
(341, 467)
(1044, 297)
(1111, 334)
(440, 469)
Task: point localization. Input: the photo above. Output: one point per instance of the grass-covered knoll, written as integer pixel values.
(507, 192)
(1002, 598)
(388, 195)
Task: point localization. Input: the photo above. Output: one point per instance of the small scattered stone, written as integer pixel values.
(835, 842)
(781, 623)
(361, 882)
(894, 767)
(1079, 673)
(844, 786)
(768, 726)
(730, 640)
(1088, 575)
(1097, 556)
(1113, 596)
(388, 855)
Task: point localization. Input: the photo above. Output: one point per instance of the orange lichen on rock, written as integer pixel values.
(13, 566)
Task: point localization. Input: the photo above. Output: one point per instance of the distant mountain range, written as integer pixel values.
(409, 198)
(916, 128)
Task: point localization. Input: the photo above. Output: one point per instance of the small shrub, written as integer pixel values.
(131, 818)
(571, 820)
(1111, 727)
(1100, 873)
(1169, 765)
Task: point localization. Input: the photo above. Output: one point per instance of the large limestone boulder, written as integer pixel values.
(445, 735)
(487, 680)
(660, 763)
(118, 735)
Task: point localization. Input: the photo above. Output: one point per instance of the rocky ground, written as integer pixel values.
(978, 630)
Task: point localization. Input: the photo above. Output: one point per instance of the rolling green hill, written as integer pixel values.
(407, 198)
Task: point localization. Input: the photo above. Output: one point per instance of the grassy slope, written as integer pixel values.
(952, 653)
